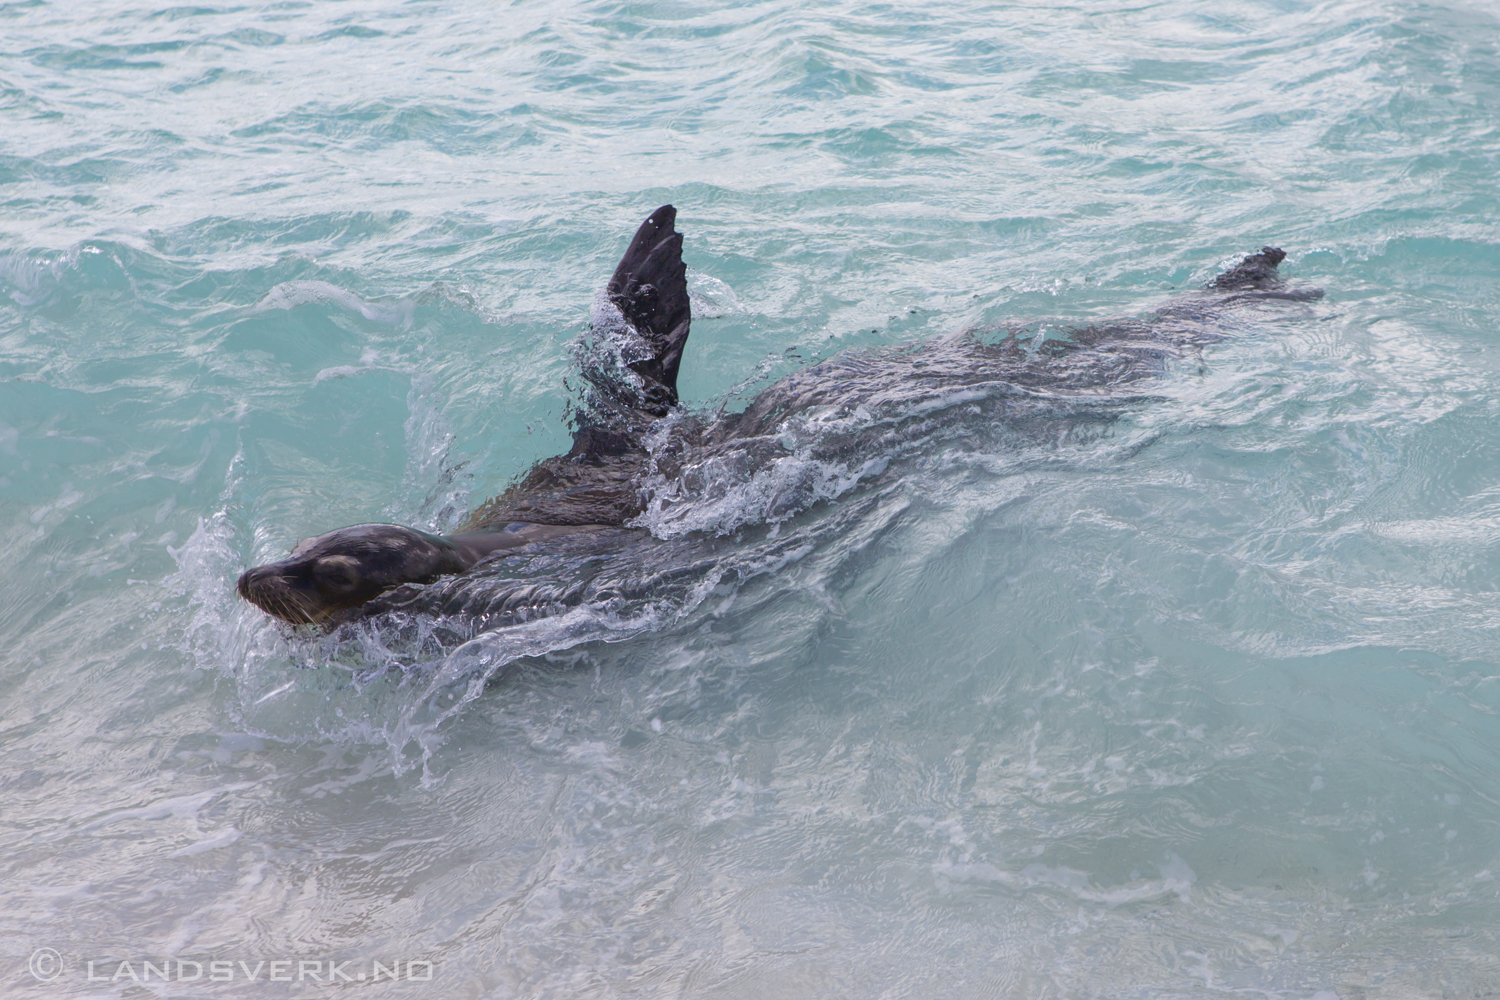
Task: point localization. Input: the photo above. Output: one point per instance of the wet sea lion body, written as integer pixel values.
(582, 502)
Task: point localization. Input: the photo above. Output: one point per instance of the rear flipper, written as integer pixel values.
(1256, 277)
(650, 289)
(1199, 317)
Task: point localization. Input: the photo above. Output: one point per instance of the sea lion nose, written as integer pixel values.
(251, 577)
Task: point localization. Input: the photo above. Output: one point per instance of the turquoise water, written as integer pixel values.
(1201, 703)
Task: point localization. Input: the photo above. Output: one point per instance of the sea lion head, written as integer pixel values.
(346, 568)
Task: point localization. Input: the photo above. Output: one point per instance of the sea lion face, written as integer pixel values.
(346, 568)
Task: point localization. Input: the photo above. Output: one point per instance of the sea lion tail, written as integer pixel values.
(649, 288)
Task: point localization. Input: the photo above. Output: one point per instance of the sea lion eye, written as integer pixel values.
(337, 573)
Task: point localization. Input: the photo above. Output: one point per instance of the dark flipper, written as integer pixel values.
(1256, 271)
(1256, 277)
(598, 481)
(650, 290)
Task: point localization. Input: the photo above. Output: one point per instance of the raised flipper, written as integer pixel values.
(650, 290)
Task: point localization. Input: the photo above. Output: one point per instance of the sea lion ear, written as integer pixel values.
(649, 288)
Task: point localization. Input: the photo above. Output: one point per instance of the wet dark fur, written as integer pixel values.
(577, 503)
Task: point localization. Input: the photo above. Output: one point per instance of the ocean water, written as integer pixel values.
(1202, 702)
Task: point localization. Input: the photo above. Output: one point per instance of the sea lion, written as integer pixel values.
(594, 485)
(594, 491)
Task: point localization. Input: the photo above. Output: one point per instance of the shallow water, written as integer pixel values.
(1202, 701)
